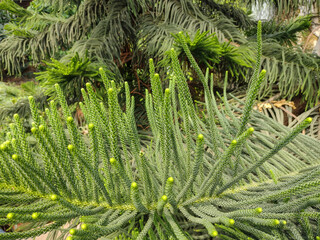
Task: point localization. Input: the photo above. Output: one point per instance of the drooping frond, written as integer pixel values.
(59, 5)
(209, 52)
(285, 32)
(179, 13)
(71, 76)
(292, 71)
(170, 17)
(57, 33)
(284, 112)
(12, 7)
(240, 17)
(111, 34)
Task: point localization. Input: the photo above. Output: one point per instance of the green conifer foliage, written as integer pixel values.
(178, 183)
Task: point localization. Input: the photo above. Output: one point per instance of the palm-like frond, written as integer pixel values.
(59, 5)
(58, 32)
(171, 17)
(284, 115)
(206, 48)
(111, 34)
(71, 76)
(285, 32)
(292, 71)
(239, 16)
(209, 52)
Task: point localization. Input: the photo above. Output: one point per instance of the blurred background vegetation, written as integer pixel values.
(66, 41)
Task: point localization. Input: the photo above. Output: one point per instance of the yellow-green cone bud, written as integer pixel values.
(69, 119)
(170, 179)
(112, 160)
(10, 215)
(276, 222)
(84, 226)
(41, 127)
(33, 129)
(164, 198)
(3, 146)
(251, 130)
(54, 197)
(35, 215)
(70, 147)
(259, 210)
(200, 137)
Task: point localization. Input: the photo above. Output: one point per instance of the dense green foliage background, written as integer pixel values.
(123, 35)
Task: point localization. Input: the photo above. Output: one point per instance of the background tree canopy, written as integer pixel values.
(122, 34)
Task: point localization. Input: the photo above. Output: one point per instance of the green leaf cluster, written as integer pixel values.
(209, 52)
(71, 75)
(283, 32)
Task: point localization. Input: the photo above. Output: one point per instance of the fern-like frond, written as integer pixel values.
(170, 18)
(12, 7)
(285, 32)
(71, 76)
(239, 16)
(59, 5)
(292, 71)
(110, 35)
(54, 33)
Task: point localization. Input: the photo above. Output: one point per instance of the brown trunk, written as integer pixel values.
(23, 3)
